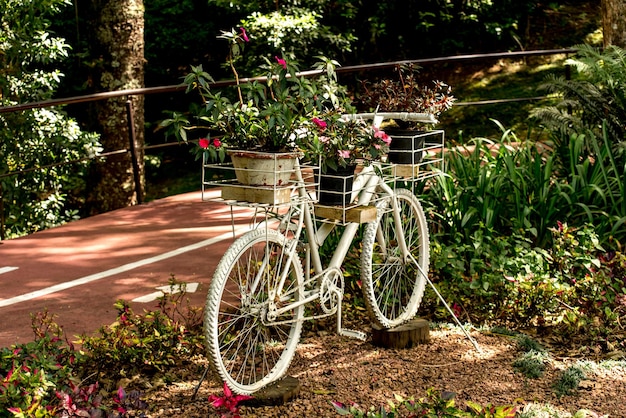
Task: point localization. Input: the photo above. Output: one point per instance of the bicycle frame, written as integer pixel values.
(365, 185)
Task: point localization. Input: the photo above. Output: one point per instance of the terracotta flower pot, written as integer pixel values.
(254, 168)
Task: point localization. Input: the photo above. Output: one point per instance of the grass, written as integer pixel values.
(504, 80)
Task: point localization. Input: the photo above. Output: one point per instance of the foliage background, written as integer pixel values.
(41, 137)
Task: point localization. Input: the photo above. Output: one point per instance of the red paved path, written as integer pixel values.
(86, 248)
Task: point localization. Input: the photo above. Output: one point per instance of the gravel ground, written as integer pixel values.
(332, 368)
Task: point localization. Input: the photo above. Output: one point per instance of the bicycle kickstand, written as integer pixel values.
(469, 337)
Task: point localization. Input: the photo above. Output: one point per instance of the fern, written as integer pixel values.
(596, 97)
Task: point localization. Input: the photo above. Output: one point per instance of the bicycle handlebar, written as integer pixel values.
(405, 116)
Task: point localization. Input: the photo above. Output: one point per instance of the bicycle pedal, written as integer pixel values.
(353, 334)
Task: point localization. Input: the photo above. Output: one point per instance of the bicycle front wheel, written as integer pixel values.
(393, 285)
(248, 345)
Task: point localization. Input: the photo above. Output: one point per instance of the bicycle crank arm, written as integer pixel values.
(348, 332)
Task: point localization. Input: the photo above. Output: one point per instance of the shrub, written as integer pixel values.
(45, 138)
(44, 378)
(144, 344)
(30, 373)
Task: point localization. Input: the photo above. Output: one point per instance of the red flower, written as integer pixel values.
(217, 143)
(203, 143)
(320, 123)
(281, 62)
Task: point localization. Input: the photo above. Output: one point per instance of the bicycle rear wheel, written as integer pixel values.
(247, 349)
(393, 286)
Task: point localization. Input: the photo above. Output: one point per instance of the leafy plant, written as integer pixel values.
(88, 402)
(568, 381)
(290, 32)
(176, 305)
(30, 373)
(46, 138)
(492, 411)
(588, 135)
(434, 404)
(139, 344)
(406, 94)
(44, 378)
(228, 404)
(337, 142)
(531, 364)
(595, 98)
(268, 115)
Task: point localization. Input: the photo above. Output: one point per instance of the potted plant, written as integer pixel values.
(406, 94)
(256, 119)
(339, 143)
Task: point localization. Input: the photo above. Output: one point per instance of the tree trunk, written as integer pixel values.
(614, 22)
(117, 32)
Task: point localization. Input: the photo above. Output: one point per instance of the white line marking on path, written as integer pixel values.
(7, 269)
(189, 288)
(121, 269)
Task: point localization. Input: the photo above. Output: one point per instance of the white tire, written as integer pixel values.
(248, 350)
(392, 286)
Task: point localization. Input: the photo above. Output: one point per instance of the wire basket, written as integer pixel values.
(274, 184)
(422, 160)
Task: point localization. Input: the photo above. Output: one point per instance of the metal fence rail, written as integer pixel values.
(219, 84)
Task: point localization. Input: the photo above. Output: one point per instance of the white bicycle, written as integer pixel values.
(256, 303)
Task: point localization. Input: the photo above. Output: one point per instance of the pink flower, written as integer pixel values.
(203, 143)
(320, 123)
(244, 35)
(344, 153)
(339, 406)
(382, 135)
(324, 139)
(228, 401)
(281, 62)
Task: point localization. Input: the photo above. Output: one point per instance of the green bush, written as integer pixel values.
(500, 249)
(40, 138)
(31, 373)
(146, 344)
(573, 284)
(49, 377)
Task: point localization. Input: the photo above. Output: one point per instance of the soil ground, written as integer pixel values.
(333, 368)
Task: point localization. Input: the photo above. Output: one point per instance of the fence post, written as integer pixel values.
(133, 151)
(1, 213)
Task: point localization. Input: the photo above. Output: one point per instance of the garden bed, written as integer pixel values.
(333, 368)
